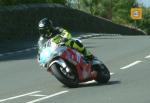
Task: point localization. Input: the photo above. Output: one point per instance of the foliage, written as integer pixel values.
(118, 11)
(145, 22)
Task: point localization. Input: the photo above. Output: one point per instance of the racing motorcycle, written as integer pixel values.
(69, 66)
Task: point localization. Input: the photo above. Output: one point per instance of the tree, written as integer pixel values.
(121, 11)
(145, 22)
(93, 7)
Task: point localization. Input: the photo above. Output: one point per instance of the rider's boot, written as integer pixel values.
(90, 58)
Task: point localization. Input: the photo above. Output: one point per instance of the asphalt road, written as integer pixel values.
(127, 57)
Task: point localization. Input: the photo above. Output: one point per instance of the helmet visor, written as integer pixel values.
(45, 32)
(42, 31)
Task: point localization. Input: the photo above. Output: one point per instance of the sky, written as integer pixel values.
(145, 2)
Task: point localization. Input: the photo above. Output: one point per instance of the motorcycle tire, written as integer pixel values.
(103, 74)
(56, 71)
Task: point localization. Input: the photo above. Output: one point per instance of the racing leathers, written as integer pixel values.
(63, 36)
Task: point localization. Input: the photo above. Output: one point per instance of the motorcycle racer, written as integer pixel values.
(60, 36)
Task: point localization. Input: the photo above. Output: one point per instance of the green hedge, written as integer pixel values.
(20, 22)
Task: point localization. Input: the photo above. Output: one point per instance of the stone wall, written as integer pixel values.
(20, 22)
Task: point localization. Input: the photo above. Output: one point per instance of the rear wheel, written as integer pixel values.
(67, 76)
(103, 74)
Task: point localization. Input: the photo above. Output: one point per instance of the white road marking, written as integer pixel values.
(112, 73)
(2, 100)
(1, 55)
(38, 95)
(130, 65)
(92, 81)
(49, 96)
(24, 50)
(28, 49)
(9, 53)
(19, 51)
(147, 57)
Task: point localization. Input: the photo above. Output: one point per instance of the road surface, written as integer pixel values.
(127, 57)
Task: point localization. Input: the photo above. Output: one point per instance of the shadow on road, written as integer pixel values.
(95, 84)
(113, 82)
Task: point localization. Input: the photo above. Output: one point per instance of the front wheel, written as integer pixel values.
(67, 76)
(103, 74)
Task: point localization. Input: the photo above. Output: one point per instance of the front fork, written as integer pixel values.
(96, 64)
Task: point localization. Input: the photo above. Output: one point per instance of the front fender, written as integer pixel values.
(60, 62)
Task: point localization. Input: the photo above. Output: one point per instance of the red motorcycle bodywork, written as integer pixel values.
(82, 67)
